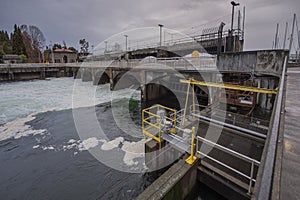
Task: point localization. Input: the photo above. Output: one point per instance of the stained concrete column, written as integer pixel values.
(111, 79)
(143, 76)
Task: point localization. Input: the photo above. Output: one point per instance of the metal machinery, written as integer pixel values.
(177, 127)
(163, 123)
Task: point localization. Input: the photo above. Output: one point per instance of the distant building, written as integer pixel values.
(61, 56)
(11, 58)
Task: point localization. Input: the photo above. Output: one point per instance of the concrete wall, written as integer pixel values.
(17, 73)
(268, 62)
(176, 183)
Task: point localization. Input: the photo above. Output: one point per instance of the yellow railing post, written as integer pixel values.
(191, 159)
(143, 123)
(193, 98)
(186, 102)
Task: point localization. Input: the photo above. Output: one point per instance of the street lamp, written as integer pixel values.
(160, 33)
(51, 48)
(233, 5)
(126, 36)
(105, 51)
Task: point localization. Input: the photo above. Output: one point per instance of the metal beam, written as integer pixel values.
(229, 86)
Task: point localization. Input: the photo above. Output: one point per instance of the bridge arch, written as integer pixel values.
(126, 80)
(167, 90)
(87, 75)
(100, 78)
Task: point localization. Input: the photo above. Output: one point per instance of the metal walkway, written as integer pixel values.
(177, 141)
(290, 174)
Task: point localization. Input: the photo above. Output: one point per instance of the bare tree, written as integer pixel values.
(36, 35)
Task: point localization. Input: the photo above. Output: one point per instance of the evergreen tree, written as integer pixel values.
(18, 46)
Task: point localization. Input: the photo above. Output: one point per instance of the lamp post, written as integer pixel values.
(126, 36)
(51, 48)
(233, 5)
(105, 51)
(160, 34)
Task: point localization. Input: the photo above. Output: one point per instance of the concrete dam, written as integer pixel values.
(183, 102)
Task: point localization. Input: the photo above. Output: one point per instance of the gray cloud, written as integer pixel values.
(96, 20)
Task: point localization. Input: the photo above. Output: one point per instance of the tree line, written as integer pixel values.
(25, 41)
(29, 43)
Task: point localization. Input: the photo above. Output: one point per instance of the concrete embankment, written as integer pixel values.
(175, 183)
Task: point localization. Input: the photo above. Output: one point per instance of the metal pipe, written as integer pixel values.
(254, 133)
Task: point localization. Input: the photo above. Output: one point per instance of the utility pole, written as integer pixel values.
(231, 39)
(276, 37)
(285, 33)
(126, 36)
(105, 47)
(244, 16)
(52, 58)
(239, 23)
(160, 34)
(292, 34)
(232, 17)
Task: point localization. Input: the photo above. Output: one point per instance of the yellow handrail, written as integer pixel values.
(230, 86)
(156, 125)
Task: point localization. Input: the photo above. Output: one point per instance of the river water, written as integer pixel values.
(43, 157)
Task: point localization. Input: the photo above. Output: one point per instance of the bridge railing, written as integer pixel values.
(190, 39)
(250, 175)
(33, 65)
(187, 63)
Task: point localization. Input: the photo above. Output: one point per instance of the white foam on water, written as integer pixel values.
(112, 144)
(88, 144)
(71, 141)
(132, 151)
(17, 129)
(48, 148)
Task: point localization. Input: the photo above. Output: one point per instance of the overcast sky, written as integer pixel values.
(96, 20)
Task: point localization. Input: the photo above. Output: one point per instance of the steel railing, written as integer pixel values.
(231, 152)
(202, 62)
(150, 120)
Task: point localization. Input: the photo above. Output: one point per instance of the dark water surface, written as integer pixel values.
(40, 167)
(28, 173)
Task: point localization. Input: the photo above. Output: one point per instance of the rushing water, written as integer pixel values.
(42, 155)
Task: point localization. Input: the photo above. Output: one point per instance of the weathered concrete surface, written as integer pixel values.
(260, 62)
(16, 72)
(175, 183)
(290, 174)
(290, 65)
